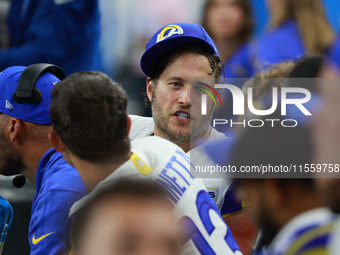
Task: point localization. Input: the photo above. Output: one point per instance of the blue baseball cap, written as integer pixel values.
(173, 36)
(30, 112)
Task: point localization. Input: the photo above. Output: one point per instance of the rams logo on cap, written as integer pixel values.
(174, 30)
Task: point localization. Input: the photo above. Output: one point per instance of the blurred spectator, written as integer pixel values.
(288, 211)
(276, 146)
(128, 217)
(61, 32)
(261, 85)
(302, 226)
(230, 25)
(297, 28)
(326, 128)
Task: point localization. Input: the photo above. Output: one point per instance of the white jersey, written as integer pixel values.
(334, 245)
(218, 188)
(306, 233)
(160, 160)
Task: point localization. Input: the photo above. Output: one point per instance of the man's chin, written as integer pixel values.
(178, 134)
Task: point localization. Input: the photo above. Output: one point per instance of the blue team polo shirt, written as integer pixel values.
(58, 186)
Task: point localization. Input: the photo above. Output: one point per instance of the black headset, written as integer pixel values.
(26, 91)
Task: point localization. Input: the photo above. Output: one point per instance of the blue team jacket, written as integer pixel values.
(61, 32)
(58, 186)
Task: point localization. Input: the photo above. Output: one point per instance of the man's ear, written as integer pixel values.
(149, 88)
(128, 124)
(15, 128)
(56, 141)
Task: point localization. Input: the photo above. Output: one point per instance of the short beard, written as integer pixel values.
(12, 163)
(195, 133)
(162, 127)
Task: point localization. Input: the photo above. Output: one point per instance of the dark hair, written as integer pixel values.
(88, 113)
(215, 62)
(139, 189)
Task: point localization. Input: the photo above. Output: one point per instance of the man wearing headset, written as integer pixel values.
(25, 149)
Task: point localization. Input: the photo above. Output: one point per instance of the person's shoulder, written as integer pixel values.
(304, 232)
(241, 62)
(216, 136)
(59, 175)
(334, 244)
(140, 127)
(244, 49)
(154, 144)
(281, 44)
(287, 28)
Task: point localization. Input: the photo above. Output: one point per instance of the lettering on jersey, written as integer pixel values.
(174, 30)
(174, 177)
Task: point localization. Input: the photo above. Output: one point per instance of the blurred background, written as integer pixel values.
(128, 25)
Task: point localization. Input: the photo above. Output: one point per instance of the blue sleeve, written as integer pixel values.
(63, 34)
(49, 216)
(231, 205)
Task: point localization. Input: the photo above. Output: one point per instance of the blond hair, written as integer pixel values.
(310, 16)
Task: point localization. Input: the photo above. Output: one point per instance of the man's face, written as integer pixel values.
(251, 191)
(10, 160)
(176, 105)
(131, 226)
(255, 192)
(326, 136)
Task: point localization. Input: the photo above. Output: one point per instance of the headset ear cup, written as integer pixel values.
(36, 96)
(26, 91)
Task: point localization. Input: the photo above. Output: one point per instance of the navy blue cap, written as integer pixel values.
(30, 112)
(174, 36)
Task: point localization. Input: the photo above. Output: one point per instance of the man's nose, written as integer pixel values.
(184, 98)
